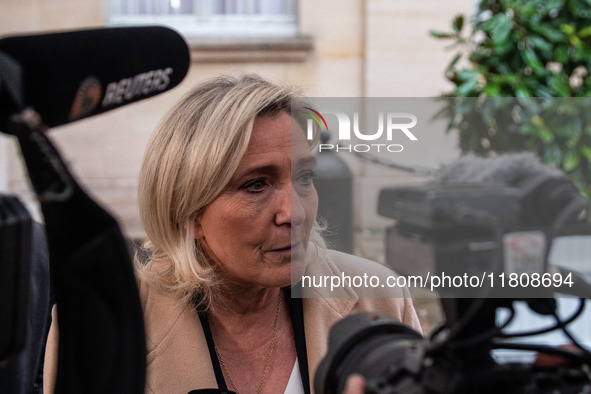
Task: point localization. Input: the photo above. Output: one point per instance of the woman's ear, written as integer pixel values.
(197, 229)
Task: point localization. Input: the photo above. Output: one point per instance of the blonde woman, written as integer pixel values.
(228, 203)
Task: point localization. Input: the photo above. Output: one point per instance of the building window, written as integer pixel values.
(209, 17)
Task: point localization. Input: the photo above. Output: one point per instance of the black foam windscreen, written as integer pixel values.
(72, 75)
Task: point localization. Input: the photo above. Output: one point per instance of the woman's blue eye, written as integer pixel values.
(255, 185)
(307, 178)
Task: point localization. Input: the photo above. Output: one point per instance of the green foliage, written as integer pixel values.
(532, 52)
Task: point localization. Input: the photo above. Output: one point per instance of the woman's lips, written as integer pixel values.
(292, 248)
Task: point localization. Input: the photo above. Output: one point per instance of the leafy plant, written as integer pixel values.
(522, 82)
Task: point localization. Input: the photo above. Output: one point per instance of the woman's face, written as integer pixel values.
(260, 224)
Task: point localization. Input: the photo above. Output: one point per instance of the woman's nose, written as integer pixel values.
(290, 209)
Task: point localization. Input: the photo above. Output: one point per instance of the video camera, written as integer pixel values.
(487, 226)
(48, 80)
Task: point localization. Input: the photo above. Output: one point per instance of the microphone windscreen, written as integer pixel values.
(512, 169)
(547, 196)
(73, 75)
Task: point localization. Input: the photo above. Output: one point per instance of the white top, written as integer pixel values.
(294, 385)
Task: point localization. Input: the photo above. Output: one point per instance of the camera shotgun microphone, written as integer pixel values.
(547, 196)
(67, 76)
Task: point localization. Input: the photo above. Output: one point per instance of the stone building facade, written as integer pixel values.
(342, 48)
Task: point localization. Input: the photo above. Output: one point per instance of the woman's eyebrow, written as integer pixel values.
(273, 168)
(263, 169)
(305, 161)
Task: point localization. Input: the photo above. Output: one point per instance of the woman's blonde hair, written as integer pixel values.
(191, 157)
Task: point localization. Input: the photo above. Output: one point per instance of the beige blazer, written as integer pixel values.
(178, 359)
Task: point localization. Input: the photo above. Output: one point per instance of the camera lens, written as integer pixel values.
(376, 346)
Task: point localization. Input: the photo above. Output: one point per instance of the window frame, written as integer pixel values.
(205, 23)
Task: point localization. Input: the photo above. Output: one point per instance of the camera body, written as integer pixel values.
(489, 231)
(16, 232)
(396, 360)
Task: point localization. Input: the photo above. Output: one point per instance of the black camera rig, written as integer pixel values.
(488, 230)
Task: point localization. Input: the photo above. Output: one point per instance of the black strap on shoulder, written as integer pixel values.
(217, 368)
(296, 312)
